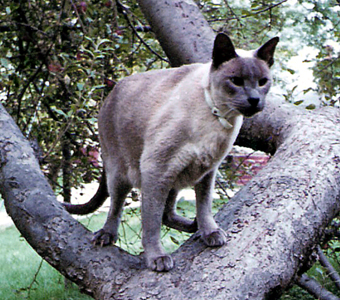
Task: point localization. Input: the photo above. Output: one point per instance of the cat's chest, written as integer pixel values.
(202, 163)
(203, 157)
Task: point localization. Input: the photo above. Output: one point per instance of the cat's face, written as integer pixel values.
(241, 84)
(240, 80)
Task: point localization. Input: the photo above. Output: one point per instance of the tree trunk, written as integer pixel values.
(273, 223)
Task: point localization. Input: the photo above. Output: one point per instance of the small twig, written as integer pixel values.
(334, 60)
(34, 279)
(241, 163)
(219, 183)
(315, 289)
(28, 82)
(79, 19)
(33, 28)
(232, 11)
(58, 138)
(123, 10)
(269, 8)
(243, 160)
(333, 274)
(250, 15)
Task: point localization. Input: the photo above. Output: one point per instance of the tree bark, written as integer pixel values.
(273, 223)
(179, 26)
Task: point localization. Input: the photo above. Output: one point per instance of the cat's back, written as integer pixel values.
(138, 97)
(161, 81)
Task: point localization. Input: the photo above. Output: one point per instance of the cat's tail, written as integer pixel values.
(97, 200)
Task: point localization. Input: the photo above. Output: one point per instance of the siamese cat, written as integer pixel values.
(165, 130)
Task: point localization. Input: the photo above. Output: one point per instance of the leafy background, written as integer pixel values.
(60, 59)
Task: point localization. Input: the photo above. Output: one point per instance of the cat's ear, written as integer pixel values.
(223, 50)
(266, 52)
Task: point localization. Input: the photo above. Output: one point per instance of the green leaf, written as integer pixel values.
(102, 41)
(59, 112)
(320, 271)
(88, 51)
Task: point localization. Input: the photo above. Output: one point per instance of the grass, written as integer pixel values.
(25, 276)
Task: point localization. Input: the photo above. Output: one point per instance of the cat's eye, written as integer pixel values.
(238, 81)
(263, 81)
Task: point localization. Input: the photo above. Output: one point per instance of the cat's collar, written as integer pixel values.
(216, 112)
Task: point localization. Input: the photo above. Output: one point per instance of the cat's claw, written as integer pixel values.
(103, 238)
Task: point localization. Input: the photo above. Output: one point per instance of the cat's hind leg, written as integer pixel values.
(172, 219)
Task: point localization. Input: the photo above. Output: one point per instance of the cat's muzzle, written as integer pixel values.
(254, 106)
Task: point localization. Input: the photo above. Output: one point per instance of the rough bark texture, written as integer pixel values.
(273, 223)
(183, 33)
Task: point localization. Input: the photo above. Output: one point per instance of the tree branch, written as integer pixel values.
(315, 289)
(333, 274)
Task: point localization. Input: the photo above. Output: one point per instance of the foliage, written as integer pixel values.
(59, 60)
(248, 22)
(322, 31)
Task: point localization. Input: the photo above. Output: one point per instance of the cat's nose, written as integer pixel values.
(253, 101)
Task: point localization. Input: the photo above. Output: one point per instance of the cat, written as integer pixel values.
(165, 130)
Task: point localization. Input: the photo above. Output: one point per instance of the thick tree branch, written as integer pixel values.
(56, 236)
(179, 27)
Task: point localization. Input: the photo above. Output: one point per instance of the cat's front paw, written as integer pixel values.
(215, 238)
(103, 238)
(161, 263)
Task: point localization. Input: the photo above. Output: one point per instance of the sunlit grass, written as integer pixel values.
(23, 274)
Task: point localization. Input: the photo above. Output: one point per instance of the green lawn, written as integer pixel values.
(19, 266)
